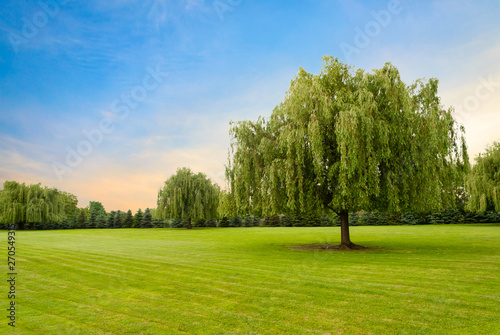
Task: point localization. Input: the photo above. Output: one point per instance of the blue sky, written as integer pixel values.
(156, 82)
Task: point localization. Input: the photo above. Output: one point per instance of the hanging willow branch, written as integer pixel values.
(21, 203)
(186, 195)
(346, 140)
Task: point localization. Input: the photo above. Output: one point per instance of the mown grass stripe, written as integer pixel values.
(420, 280)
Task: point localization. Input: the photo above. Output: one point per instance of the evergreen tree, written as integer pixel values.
(147, 219)
(117, 222)
(235, 221)
(224, 222)
(111, 220)
(81, 222)
(64, 224)
(95, 209)
(102, 220)
(128, 221)
(74, 220)
(210, 223)
(247, 221)
(138, 219)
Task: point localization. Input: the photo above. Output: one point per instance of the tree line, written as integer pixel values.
(344, 147)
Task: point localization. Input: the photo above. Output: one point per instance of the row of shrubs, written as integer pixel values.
(355, 219)
(383, 219)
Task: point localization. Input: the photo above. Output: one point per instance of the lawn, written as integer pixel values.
(416, 280)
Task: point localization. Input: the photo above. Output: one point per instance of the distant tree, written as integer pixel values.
(138, 219)
(153, 213)
(147, 219)
(102, 220)
(128, 221)
(110, 223)
(81, 221)
(95, 209)
(34, 204)
(117, 222)
(188, 196)
(73, 222)
(344, 141)
(70, 204)
(227, 206)
(64, 224)
(483, 183)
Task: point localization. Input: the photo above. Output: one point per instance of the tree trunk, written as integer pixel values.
(345, 239)
(344, 230)
(189, 224)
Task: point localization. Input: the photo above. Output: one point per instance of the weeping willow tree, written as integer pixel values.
(227, 206)
(188, 196)
(483, 183)
(345, 140)
(21, 203)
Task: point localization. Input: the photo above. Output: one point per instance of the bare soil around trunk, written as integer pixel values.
(331, 247)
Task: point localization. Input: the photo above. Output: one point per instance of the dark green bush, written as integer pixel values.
(271, 221)
(199, 223)
(210, 223)
(224, 222)
(235, 222)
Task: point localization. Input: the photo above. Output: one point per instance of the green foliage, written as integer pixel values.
(186, 195)
(102, 221)
(250, 221)
(138, 219)
(96, 209)
(287, 221)
(128, 221)
(163, 223)
(271, 221)
(64, 224)
(210, 223)
(483, 183)
(178, 223)
(224, 222)
(110, 223)
(117, 222)
(147, 219)
(226, 205)
(81, 221)
(199, 223)
(448, 216)
(235, 221)
(73, 222)
(21, 203)
(411, 219)
(325, 221)
(346, 141)
(481, 217)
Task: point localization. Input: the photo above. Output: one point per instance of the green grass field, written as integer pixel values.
(418, 280)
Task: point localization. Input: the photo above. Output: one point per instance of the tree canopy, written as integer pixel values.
(96, 212)
(188, 196)
(347, 140)
(483, 183)
(21, 203)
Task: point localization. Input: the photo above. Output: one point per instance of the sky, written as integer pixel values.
(106, 99)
